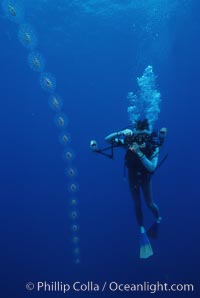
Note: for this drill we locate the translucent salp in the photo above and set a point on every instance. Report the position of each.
(76, 251)
(71, 172)
(36, 61)
(74, 214)
(65, 138)
(75, 240)
(27, 36)
(74, 228)
(73, 187)
(55, 102)
(48, 82)
(61, 121)
(73, 201)
(13, 11)
(68, 155)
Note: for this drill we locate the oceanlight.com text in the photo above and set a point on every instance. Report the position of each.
(113, 286)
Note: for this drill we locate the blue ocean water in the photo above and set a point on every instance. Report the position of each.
(96, 50)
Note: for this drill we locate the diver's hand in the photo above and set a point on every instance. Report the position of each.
(163, 131)
(126, 132)
(135, 148)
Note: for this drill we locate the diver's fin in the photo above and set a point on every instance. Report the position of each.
(145, 246)
(153, 230)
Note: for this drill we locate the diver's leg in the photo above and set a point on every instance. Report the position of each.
(147, 191)
(145, 246)
(135, 191)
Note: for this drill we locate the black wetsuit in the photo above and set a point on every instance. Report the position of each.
(140, 178)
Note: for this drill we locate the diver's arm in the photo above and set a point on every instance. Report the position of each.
(111, 137)
(149, 164)
(116, 135)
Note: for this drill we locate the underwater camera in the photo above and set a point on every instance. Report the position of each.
(144, 138)
(138, 138)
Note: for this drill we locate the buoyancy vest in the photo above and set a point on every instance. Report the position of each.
(132, 161)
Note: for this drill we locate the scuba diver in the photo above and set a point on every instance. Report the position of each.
(141, 159)
(142, 145)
